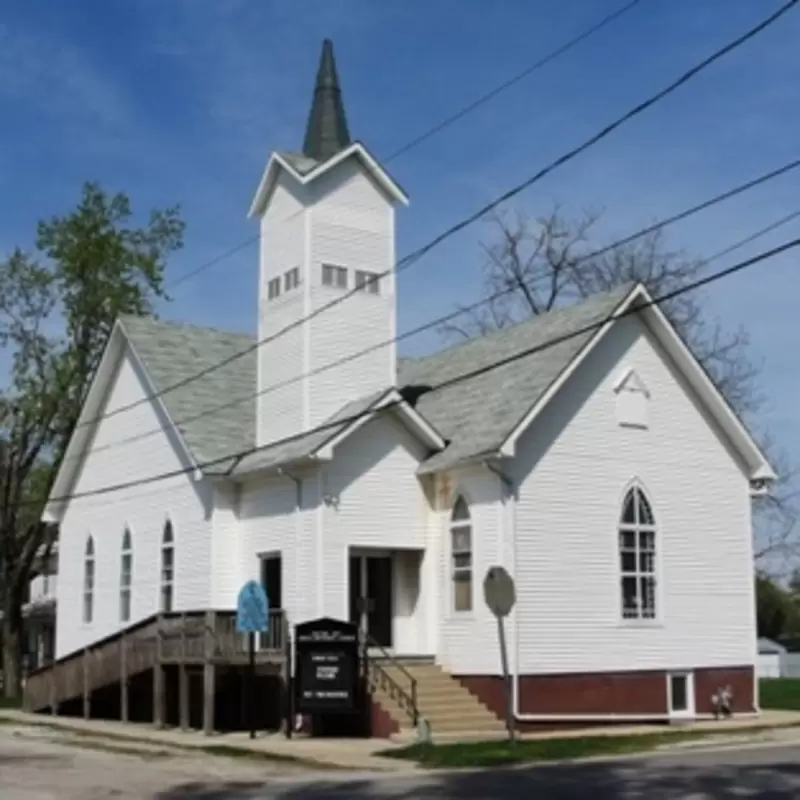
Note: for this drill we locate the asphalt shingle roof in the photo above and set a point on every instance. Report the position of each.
(172, 352)
(475, 414)
(478, 413)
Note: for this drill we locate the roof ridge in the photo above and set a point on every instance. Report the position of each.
(175, 323)
(628, 286)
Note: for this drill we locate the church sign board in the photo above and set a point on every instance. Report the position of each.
(327, 667)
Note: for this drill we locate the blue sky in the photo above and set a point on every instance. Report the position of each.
(182, 101)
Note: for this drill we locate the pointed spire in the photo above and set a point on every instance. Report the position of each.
(326, 132)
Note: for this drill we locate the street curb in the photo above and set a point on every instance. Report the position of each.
(218, 749)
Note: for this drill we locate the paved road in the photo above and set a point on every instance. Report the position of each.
(40, 767)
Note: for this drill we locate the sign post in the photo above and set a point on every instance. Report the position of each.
(500, 596)
(252, 617)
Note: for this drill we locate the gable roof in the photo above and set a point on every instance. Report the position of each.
(172, 352)
(478, 417)
(479, 413)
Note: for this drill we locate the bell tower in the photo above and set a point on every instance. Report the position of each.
(326, 280)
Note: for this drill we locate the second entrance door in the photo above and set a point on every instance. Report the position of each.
(371, 596)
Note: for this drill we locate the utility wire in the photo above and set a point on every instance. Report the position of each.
(238, 456)
(468, 109)
(431, 324)
(416, 255)
(492, 93)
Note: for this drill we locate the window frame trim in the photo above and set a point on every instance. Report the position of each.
(123, 551)
(453, 612)
(90, 593)
(657, 620)
(163, 546)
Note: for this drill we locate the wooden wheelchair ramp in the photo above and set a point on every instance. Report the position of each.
(205, 640)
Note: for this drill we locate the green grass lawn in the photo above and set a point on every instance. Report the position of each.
(780, 693)
(501, 752)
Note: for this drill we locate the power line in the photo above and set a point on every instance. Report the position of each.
(416, 255)
(491, 94)
(238, 456)
(468, 109)
(700, 207)
(208, 264)
(438, 321)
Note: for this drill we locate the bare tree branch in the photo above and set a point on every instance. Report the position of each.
(533, 265)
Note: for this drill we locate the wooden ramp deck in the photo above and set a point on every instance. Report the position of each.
(187, 640)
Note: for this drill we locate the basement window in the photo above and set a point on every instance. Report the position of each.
(680, 694)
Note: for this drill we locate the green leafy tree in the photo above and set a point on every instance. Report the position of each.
(774, 608)
(57, 308)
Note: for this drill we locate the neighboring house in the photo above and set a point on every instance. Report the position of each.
(606, 473)
(770, 657)
(40, 610)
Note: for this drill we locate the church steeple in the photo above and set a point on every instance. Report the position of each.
(326, 132)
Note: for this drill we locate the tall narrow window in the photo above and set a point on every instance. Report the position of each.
(461, 550)
(167, 567)
(125, 574)
(88, 580)
(637, 552)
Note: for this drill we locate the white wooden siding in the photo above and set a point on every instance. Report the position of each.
(226, 547)
(342, 218)
(468, 641)
(378, 503)
(282, 247)
(573, 468)
(352, 226)
(269, 522)
(144, 509)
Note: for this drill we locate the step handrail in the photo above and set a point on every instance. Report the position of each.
(411, 696)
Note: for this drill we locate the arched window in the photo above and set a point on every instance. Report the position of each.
(88, 580)
(637, 552)
(461, 550)
(125, 576)
(167, 567)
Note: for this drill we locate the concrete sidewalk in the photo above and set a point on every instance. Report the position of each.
(362, 754)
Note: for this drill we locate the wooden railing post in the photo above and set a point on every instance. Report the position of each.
(158, 677)
(183, 680)
(87, 692)
(123, 677)
(209, 678)
(53, 690)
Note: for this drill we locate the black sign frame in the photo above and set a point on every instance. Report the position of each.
(327, 667)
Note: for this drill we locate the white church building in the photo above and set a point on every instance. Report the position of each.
(586, 451)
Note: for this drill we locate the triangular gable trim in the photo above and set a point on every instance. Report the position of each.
(276, 161)
(418, 425)
(698, 378)
(80, 443)
(630, 379)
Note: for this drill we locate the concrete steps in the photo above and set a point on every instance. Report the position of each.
(449, 708)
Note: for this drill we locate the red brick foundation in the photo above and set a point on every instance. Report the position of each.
(382, 725)
(640, 693)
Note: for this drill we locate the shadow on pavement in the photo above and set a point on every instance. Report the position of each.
(651, 779)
